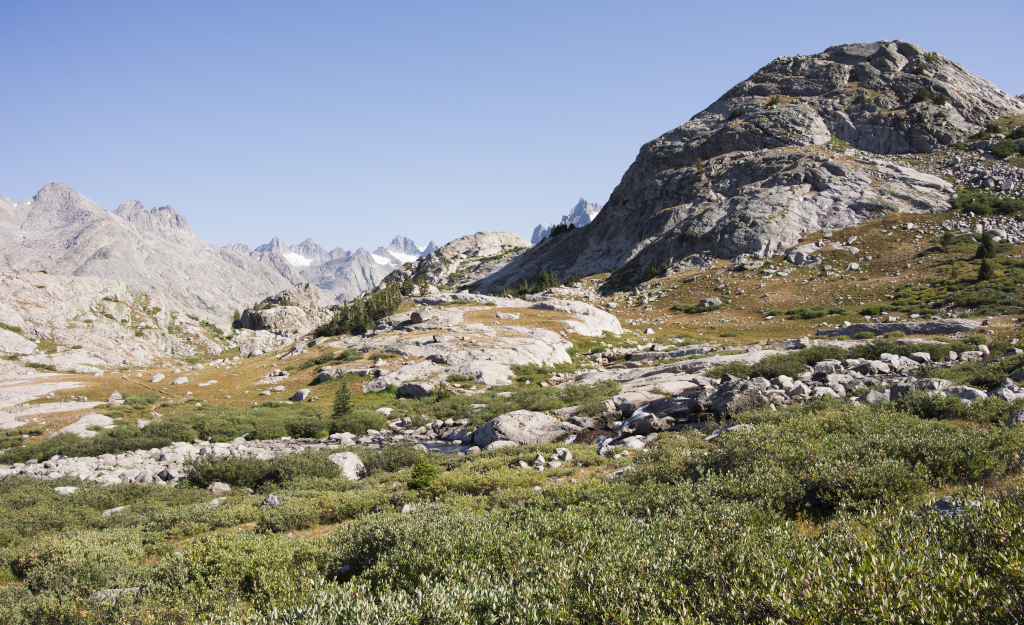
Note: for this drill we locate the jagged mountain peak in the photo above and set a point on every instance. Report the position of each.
(160, 217)
(580, 215)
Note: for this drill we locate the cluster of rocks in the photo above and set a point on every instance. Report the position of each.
(855, 380)
(1007, 229)
(166, 465)
(995, 176)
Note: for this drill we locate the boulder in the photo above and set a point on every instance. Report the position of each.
(301, 394)
(272, 501)
(523, 427)
(967, 392)
(415, 390)
(1016, 419)
(349, 464)
(181, 380)
(737, 394)
(157, 378)
(218, 487)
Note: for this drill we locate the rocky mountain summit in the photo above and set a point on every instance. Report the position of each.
(799, 146)
(60, 231)
(580, 215)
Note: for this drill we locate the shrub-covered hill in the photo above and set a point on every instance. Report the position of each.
(811, 514)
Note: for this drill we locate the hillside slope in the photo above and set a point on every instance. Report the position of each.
(766, 163)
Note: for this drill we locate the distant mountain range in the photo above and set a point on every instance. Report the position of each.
(341, 275)
(60, 231)
(581, 214)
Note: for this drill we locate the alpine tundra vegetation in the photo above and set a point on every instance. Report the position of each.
(774, 379)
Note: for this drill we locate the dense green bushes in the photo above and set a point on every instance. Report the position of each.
(253, 473)
(986, 203)
(645, 555)
(828, 456)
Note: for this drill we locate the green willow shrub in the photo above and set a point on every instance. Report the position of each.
(684, 562)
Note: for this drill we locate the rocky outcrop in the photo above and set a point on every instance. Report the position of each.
(462, 262)
(523, 427)
(938, 326)
(93, 323)
(756, 169)
(292, 313)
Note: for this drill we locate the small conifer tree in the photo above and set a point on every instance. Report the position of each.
(987, 270)
(342, 400)
(987, 249)
(423, 473)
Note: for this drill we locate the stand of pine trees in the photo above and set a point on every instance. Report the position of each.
(363, 314)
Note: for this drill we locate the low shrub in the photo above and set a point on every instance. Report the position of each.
(388, 459)
(1005, 149)
(864, 335)
(357, 422)
(738, 369)
(991, 410)
(253, 473)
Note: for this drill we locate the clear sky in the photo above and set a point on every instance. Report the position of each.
(350, 122)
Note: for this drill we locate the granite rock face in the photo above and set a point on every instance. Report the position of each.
(757, 168)
(153, 251)
(464, 261)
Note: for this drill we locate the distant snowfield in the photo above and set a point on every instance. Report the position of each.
(298, 260)
(380, 260)
(405, 258)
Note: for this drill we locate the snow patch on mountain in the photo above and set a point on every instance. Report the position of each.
(297, 260)
(405, 258)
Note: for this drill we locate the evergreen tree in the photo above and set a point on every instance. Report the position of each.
(987, 270)
(987, 249)
(342, 400)
(423, 473)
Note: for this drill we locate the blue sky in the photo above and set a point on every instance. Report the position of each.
(352, 122)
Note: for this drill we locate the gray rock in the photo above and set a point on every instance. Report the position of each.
(942, 326)
(301, 395)
(181, 380)
(523, 427)
(349, 464)
(951, 507)
(873, 397)
(1016, 419)
(967, 392)
(415, 390)
(157, 378)
(66, 490)
(112, 511)
(272, 501)
(218, 487)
